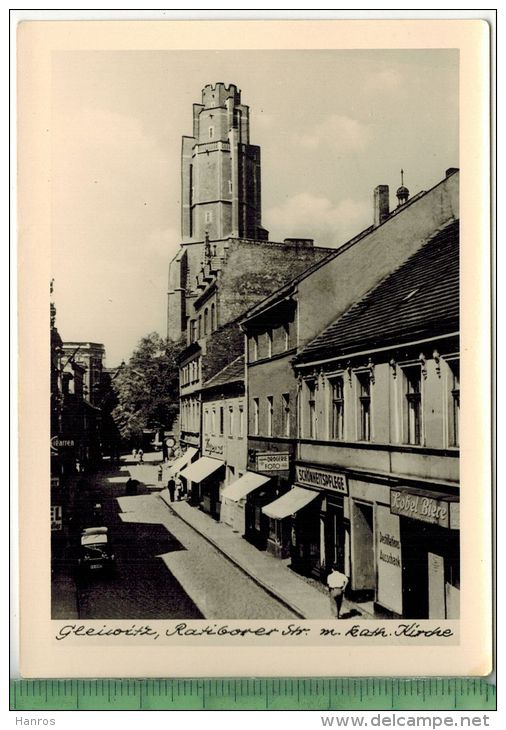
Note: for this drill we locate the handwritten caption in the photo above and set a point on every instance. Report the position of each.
(411, 630)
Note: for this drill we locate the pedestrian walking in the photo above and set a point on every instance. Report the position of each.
(160, 473)
(141, 456)
(134, 454)
(171, 486)
(337, 582)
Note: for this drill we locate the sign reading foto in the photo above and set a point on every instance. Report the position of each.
(272, 461)
(311, 477)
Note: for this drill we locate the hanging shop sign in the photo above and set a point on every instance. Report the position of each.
(56, 517)
(272, 461)
(310, 477)
(423, 506)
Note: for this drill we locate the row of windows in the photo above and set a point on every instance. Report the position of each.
(190, 415)
(348, 412)
(224, 421)
(190, 373)
(283, 424)
(269, 343)
(204, 324)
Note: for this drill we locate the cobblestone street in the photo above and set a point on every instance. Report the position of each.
(165, 569)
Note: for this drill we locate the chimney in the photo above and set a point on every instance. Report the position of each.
(381, 204)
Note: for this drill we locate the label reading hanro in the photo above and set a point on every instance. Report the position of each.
(311, 477)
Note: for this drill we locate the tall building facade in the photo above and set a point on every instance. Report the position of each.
(220, 170)
(226, 263)
(221, 231)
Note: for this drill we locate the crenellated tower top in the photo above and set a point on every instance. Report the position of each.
(215, 95)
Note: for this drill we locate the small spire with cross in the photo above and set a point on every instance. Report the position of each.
(402, 192)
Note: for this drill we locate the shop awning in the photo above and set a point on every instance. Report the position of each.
(244, 485)
(289, 503)
(182, 460)
(202, 468)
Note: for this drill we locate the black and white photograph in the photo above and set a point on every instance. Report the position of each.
(255, 335)
(261, 302)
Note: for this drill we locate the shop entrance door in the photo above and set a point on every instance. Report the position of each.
(415, 568)
(335, 537)
(362, 554)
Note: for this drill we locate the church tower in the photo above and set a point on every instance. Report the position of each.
(220, 171)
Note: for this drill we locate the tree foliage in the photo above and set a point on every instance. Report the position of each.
(147, 387)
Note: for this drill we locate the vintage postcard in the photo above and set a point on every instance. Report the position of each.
(254, 266)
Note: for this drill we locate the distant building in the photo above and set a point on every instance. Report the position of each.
(223, 437)
(91, 356)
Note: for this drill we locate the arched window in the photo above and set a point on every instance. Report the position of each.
(213, 317)
(206, 323)
(200, 326)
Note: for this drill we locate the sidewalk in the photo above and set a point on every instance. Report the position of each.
(272, 574)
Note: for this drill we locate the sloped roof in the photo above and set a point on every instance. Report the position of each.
(419, 299)
(333, 252)
(231, 373)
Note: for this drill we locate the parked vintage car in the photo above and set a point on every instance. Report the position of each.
(95, 551)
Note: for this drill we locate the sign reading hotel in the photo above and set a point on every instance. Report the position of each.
(310, 477)
(272, 461)
(418, 506)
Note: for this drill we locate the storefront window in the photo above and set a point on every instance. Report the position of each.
(413, 404)
(275, 531)
(364, 400)
(337, 411)
(454, 403)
